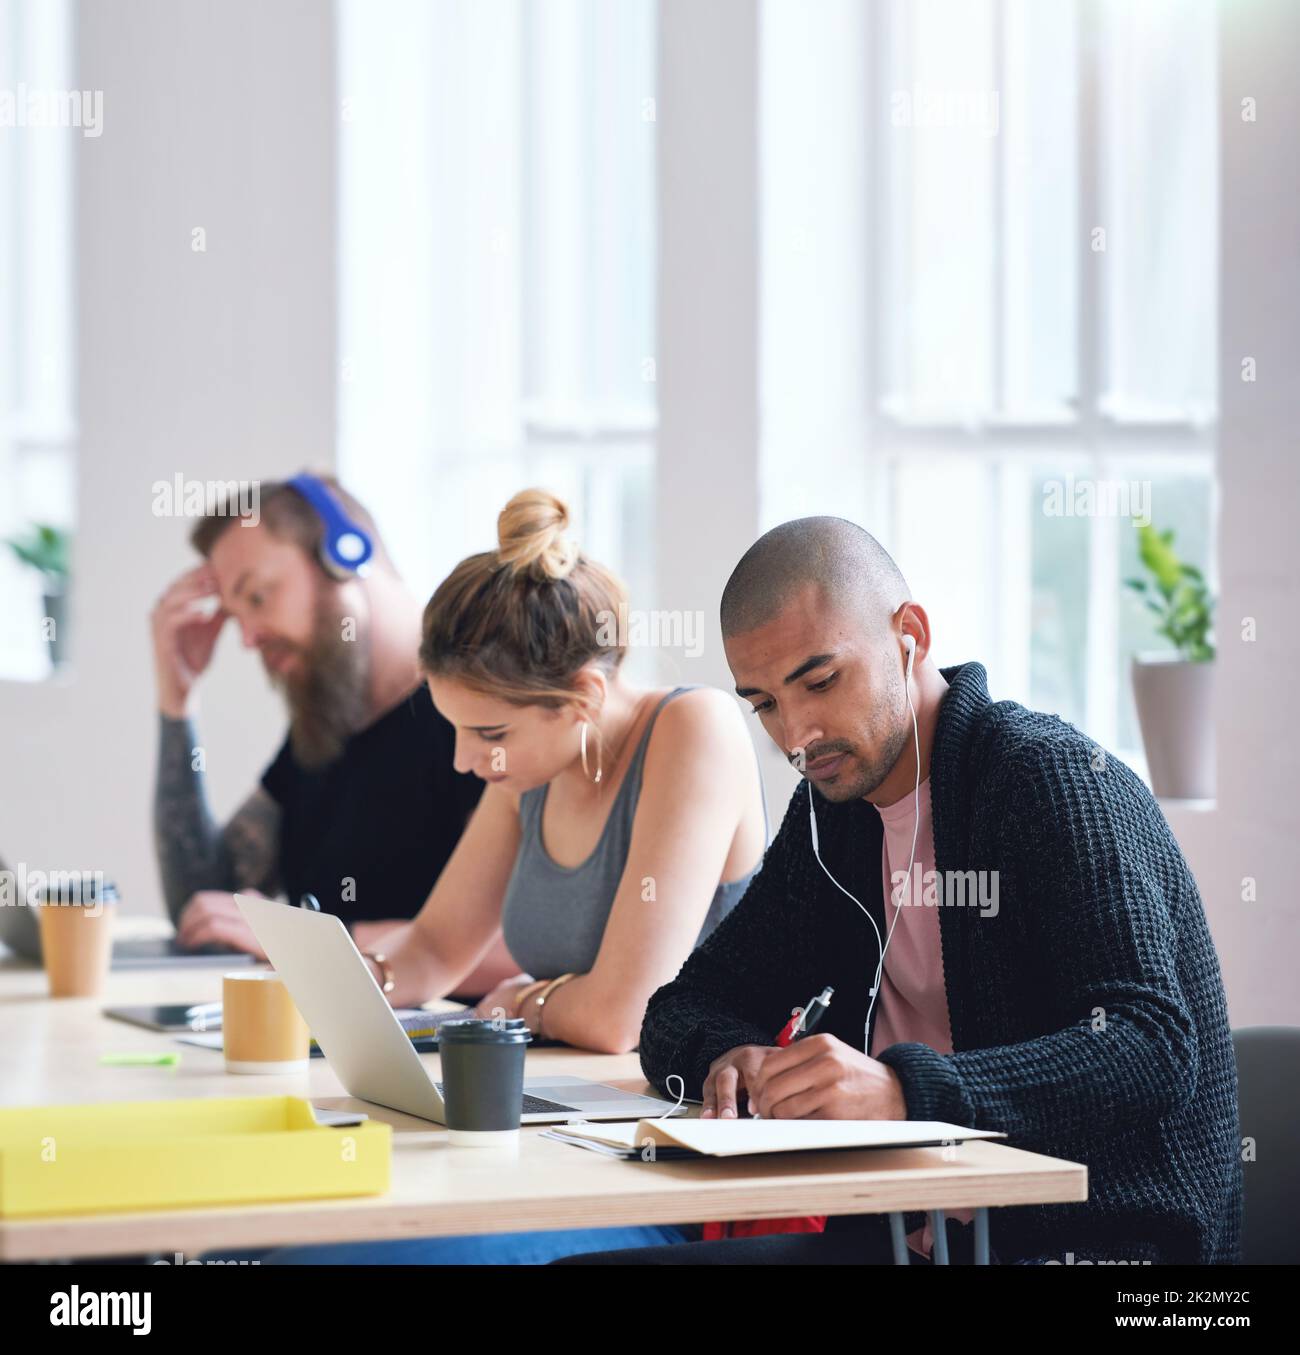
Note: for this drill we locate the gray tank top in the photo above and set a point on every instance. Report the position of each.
(554, 917)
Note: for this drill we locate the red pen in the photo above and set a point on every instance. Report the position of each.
(803, 1021)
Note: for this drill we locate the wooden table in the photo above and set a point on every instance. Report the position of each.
(50, 1054)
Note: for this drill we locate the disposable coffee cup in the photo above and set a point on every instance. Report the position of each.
(483, 1080)
(75, 914)
(261, 1030)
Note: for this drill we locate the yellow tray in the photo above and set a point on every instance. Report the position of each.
(171, 1154)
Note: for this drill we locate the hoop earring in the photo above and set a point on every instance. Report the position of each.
(600, 769)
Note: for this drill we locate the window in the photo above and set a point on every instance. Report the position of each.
(37, 432)
(497, 271)
(1031, 192)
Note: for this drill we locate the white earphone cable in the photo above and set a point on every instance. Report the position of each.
(916, 829)
(681, 1095)
(911, 860)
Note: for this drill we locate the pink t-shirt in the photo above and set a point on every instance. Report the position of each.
(912, 1005)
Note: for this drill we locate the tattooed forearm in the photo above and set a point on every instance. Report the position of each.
(251, 844)
(193, 853)
(186, 838)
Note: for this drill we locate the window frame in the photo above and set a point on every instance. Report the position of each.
(1098, 435)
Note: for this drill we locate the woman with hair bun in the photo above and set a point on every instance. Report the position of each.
(619, 826)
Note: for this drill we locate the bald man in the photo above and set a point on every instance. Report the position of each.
(1047, 970)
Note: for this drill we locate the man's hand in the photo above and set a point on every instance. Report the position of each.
(730, 1076)
(822, 1078)
(184, 637)
(213, 918)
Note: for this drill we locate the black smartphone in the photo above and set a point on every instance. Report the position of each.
(182, 1020)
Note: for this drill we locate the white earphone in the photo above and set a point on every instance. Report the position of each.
(909, 645)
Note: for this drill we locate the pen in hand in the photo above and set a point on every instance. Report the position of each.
(802, 1023)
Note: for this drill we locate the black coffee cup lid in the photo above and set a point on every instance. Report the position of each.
(484, 1030)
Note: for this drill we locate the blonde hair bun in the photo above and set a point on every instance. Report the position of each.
(530, 532)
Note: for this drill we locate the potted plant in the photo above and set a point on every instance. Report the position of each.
(45, 549)
(1174, 691)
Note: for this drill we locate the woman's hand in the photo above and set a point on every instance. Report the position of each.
(503, 1000)
(377, 935)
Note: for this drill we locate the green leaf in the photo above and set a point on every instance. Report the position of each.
(1159, 557)
(1176, 594)
(44, 548)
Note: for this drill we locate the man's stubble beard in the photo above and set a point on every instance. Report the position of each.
(873, 773)
(329, 700)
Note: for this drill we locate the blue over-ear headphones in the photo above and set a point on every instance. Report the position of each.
(346, 548)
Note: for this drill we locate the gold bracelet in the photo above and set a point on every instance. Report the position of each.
(546, 992)
(389, 983)
(526, 992)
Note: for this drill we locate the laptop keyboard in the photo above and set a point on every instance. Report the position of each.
(535, 1105)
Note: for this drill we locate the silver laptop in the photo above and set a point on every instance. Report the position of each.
(361, 1038)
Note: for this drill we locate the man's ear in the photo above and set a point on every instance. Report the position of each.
(911, 619)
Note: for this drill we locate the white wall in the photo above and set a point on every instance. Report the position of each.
(1254, 831)
(216, 365)
(707, 462)
(706, 475)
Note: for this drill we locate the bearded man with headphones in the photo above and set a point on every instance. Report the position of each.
(361, 807)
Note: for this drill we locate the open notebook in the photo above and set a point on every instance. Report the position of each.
(737, 1138)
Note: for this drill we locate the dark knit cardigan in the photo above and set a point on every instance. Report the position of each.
(1088, 1016)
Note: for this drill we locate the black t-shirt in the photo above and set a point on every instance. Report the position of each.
(370, 833)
